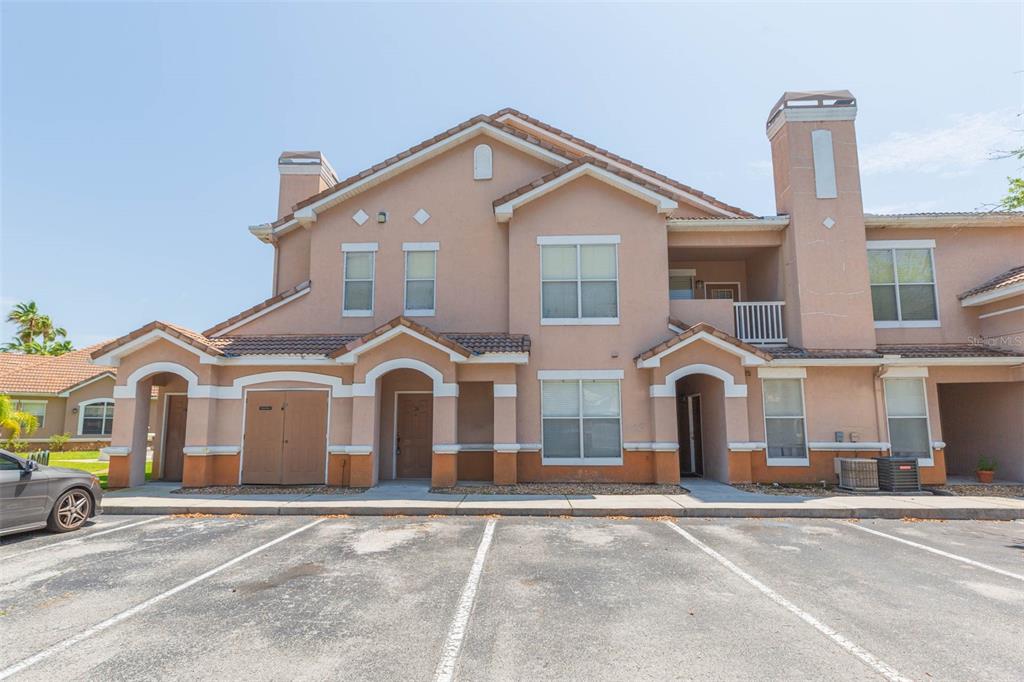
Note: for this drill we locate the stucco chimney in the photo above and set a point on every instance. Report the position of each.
(303, 174)
(817, 183)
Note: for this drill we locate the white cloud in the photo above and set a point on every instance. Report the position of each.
(969, 142)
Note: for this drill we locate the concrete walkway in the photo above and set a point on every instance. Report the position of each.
(706, 499)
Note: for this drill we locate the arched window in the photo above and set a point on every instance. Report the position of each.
(482, 165)
(96, 417)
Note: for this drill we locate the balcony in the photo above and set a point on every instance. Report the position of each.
(757, 322)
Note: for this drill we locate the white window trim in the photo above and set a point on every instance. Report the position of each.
(370, 248)
(683, 272)
(81, 416)
(921, 461)
(417, 247)
(785, 461)
(579, 241)
(20, 406)
(580, 376)
(893, 245)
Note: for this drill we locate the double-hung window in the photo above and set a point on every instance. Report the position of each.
(784, 422)
(36, 408)
(907, 411)
(96, 418)
(420, 278)
(902, 275)
(579, 280)
(357, 296)
(581, 421)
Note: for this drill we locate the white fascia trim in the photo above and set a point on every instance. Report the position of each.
(906, 324)
(263, 232)
(116, 451)
(662, 203)
(578, 321)
(872, 446)
(573, 240)
(505, 390)
(421, 246)
(359, 247)
(273, 360)
(427, 153)
(995, 313)
(902, 244)
(368, 387)
(586, 151)
(583, 374)
(650, 447)
(246, 320)
(876, 362)
(82, 384)
(844, 113)
(956, 221)
(113, 358)
(748, 358)
(781, 373)
(350, 357)
(994, 295)
(211, 450)
(497, 358)
(748, 446)
(765, 224)
(902, 372)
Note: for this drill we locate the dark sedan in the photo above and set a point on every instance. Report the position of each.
(35, 496)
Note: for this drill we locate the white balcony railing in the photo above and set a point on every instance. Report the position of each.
(759, 322)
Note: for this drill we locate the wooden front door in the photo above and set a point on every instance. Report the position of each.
(285, 439)
(174, 437)
(414, 435)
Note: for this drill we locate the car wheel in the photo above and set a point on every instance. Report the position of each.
(71, 510)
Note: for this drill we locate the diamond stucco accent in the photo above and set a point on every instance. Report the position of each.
(421, 216)
(360, 217)
(828, 223)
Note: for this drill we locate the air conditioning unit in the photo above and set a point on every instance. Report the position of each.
(857, 475)
(898, 474)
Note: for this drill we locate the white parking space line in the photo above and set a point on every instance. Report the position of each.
(457, 630)
(138, 608)
(933, 550)
(83, 538)
(876, 664)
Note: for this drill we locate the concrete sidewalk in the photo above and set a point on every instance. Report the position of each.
(706, 499)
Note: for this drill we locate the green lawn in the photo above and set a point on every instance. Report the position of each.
(88, 460)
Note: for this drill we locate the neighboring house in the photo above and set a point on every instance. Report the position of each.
(506, 301)
(67, 394)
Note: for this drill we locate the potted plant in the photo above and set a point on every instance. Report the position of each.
(986, 469)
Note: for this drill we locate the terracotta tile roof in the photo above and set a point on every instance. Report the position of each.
(583, 161)
(190, 337)
(47, 374)
(632, 164)
(282, 344)
(792, 352)
(401, 322)
(257, 308)
(1008, 278)
(696, 329)
(490, 120)
(949, 350)
(491, 343)
(948, 214)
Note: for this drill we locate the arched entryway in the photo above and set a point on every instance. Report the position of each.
(406, 425)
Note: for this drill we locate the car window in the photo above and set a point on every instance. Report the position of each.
(8, 464)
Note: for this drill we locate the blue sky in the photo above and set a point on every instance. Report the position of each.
(139, 140)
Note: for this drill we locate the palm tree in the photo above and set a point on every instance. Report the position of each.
(33, 325)
(15, 421)
(27, 317)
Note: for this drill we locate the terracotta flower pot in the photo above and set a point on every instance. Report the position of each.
(985, 476)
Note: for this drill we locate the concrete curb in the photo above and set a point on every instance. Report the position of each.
(948, 514)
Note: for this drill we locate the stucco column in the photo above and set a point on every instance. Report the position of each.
(737, 430)
(197, 469)
(362, 472)
(127, 449)
(506, 444)
(444, 462)
(666, 439)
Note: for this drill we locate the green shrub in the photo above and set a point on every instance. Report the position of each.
(986, 464)
(58, 441)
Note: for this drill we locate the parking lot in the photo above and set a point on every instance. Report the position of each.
(477, 598)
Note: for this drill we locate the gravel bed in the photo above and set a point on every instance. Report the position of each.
(565, 489)
(268, 490)
(775, 489)
(992, 490)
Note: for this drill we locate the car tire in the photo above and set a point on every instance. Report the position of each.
(72, 509)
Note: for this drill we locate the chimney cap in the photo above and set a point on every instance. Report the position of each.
(307, 163)
(804, 100)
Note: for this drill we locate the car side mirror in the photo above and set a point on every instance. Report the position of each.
(31, 465)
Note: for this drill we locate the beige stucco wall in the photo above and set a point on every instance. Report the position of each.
(983, 419)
